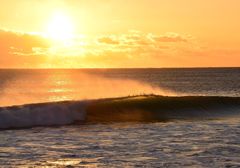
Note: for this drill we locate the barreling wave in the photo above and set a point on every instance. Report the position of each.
(146, 108)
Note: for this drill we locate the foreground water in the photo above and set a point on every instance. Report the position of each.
(176, 143)
(171, 144)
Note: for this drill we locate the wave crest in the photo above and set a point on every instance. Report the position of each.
(135, 108)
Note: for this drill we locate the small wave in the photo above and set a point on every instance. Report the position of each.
(136, 108)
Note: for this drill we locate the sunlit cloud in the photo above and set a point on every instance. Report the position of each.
(130, 49)
(108, 40)
(21, 41)
(171, 37)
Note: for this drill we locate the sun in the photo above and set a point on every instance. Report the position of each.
(60, 27)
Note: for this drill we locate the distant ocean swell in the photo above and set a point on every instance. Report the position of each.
(148, 108)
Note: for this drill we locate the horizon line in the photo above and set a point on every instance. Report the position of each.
(213, 67)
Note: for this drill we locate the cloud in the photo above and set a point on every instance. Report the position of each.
(18, 49)
(21, 41)
(108, 40)
(131, 40)
(171, 37)
(136, 38)
(133, 44)
(131, 49)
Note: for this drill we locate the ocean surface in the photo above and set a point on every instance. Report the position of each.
(120, 118)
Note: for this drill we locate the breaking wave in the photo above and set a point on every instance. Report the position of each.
(147, 108)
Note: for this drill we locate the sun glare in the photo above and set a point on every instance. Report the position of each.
(60, 27)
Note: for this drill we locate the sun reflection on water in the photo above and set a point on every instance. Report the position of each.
(92, 163)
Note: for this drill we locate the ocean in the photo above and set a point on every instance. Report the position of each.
(176, 117)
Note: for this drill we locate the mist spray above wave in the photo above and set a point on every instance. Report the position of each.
(125, 109)
(27, 89)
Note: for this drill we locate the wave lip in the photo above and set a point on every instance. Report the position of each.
(146, 108)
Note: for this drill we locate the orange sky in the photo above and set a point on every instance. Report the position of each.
(119, 33)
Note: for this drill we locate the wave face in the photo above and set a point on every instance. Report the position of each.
(136, 108)
(161, 108)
